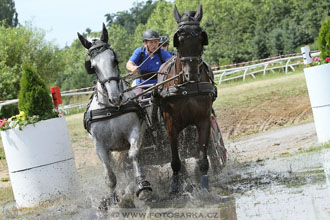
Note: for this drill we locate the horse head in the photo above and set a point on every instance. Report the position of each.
(103, 62)
(189, 40)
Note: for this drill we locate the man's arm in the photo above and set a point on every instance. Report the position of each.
(130, 66)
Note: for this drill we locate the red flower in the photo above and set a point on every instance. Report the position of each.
(327, 59)
(2, 122)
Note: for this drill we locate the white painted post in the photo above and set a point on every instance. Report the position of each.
(306, 52)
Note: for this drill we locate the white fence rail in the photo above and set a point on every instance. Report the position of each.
(64, 108)
(251, 70)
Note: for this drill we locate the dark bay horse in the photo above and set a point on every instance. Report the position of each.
(188, 99)
(113, 120)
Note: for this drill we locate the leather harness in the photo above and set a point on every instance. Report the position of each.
(91, 116)
(188, 89)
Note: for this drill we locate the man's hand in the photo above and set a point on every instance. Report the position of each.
(135, 69)
(132, 67)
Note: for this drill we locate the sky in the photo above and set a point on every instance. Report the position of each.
(62, 19)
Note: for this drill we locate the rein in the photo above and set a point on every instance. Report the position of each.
(158, 84)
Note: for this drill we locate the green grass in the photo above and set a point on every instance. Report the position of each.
(241, 94)
(315, 148)
(2, 152)
(4, 179)
(6, 194)
(78, 134)
(307, 150)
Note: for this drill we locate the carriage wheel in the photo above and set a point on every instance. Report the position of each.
(217, 150)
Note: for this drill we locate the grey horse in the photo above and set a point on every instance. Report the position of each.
(114, 121)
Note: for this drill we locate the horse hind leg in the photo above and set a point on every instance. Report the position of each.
(143, 189)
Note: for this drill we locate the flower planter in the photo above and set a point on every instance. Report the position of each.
(318, 85)
(40, 162)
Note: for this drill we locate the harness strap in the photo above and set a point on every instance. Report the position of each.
(190, 89)
(111, 112)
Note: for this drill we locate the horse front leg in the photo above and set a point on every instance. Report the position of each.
(110, 177)
(203, 138)
(176, 162)
(144, 189)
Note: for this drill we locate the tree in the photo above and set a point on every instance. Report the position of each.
(138, 14)
(324, 39)
(34, 98)
(74, 75)
(24, 45)
(121, 42)
(162, 20)
(8, 13)
(260, 43)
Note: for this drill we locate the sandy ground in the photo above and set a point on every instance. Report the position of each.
(266, 130)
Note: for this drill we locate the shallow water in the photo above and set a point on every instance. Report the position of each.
(285, 188)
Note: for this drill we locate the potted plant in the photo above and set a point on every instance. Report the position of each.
(37, 146)
(318, 84)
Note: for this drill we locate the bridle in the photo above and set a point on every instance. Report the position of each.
(192, 34)
(95, 50)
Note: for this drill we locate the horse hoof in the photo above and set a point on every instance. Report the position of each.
(112, 200)
(126, 202)
(145, 194)
(174, 189)
(204, 182)
(143, 190)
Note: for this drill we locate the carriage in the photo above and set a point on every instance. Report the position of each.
(167, 122)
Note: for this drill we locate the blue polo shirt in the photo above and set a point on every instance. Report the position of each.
(152, 64)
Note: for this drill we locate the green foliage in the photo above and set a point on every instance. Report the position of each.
(129, 20)
(34, 98)
(4, 179)
(2, 151)
(24, 45)
(73, 74)
(324, 39)
(21, 121)
(162, 21)
(120, 41)
(238, 31)
(8, 13)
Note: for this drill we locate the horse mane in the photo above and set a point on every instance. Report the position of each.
(123, 87)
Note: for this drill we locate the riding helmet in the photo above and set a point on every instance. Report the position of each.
(150, 35)
(163, 39)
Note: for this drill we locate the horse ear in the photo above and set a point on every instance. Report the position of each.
(199, 14)
(84, 41)
(104, 36)
(205, 40)
(177, 15)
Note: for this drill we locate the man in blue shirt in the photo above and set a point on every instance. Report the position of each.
(151, 66)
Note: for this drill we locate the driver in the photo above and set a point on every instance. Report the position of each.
(151, 66)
